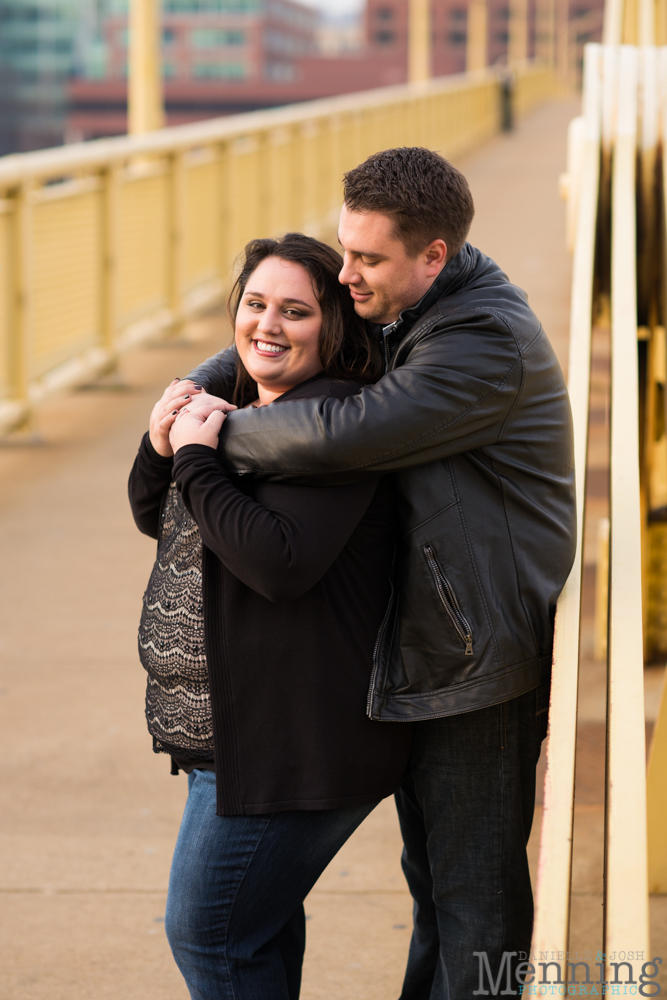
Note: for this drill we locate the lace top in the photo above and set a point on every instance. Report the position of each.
(171, 640)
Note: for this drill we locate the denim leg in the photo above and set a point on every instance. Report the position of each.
(234, 916)
(466, 809)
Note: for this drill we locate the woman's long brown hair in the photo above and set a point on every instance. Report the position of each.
(347, 350)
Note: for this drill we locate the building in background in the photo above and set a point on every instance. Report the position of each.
(63, 63)
(221, 39)
(386, 30)
(226, 56)
(38, 51)
(340, 35)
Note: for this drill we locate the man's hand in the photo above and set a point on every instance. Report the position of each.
(180, 393)
(196, 427)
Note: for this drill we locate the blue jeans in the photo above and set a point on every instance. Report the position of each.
(235, 918)
(466, 809)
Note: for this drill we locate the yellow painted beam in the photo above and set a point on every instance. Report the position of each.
(145, 102)
(476, 52)
(601, 589)
(626, 889)
(563, 46)
(517, 49)
(552, 910)
(646, 22)
(419, 41)
(656, 793)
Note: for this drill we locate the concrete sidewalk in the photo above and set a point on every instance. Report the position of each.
(89, 814)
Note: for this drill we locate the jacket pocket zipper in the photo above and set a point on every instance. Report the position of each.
(448, 598)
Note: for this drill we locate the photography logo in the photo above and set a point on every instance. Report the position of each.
(563, 974)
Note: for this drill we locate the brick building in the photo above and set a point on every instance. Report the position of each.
(227, 56)
(218, 40)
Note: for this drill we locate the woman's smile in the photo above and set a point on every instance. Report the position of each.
(265, 348)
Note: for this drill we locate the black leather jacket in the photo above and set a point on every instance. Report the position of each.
(473, 417)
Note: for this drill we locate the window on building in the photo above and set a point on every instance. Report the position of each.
(457, 38)
(168, 36)
(219, 71)
(279, 71)
(385, 37)
(168, 70)
(458, 14)
(384, 13)
(215, 38)
(502, 37)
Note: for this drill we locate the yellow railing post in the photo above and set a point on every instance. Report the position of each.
(626, 890)
(563, 47)
(601, 589)
(546, 20)
(177, 223)
(476, 57)
(552, 911)
(517, 49)
(21, 303)
(108, 251)
(419, 41)
(656, 794)
(145, 103)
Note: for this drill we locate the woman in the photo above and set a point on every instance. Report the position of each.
(257, 633)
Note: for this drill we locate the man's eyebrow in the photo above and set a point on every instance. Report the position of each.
(364, 253)
(260, 295)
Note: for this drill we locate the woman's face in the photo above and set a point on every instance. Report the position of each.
(278, 326)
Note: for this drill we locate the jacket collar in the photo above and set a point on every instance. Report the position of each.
(453, 275)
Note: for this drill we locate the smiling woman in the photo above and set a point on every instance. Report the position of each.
(294, 320)
(257, 634)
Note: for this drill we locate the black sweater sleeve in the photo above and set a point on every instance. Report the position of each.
(279, 544)
(150, 477)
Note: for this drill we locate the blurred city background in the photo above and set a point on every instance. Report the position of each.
(64, 63)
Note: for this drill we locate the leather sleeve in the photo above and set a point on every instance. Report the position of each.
(279, 544)
(218, 374)
(149, 478)
(452, 394)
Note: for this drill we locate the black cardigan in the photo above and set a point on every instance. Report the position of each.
(296, 580)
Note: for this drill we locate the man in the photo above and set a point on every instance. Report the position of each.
(472, 416)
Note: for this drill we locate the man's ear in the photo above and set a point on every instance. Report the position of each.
(435, 256)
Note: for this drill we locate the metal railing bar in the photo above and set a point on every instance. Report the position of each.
(554, 871)
(626, 884)
(18, 167)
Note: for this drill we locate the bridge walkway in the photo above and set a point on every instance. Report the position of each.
(89, 813)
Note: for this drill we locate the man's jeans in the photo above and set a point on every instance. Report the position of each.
(235, 919)
(466, 809)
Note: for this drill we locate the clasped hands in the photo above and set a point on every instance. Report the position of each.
(186, 414)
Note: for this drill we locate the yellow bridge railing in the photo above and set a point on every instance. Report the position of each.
(617, 201)
(106, 242)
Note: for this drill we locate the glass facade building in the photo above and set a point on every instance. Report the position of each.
(38, 54)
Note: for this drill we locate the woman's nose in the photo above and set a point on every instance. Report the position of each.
(269, 322)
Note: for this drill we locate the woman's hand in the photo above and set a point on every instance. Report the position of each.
(196, 427)
(174, 398)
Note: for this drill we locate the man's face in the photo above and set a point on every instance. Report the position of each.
(383, 279)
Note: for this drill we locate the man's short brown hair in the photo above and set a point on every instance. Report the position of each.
(427, 197)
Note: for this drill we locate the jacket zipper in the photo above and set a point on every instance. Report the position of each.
(448, 598)
(410, 342)
(376, 649)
